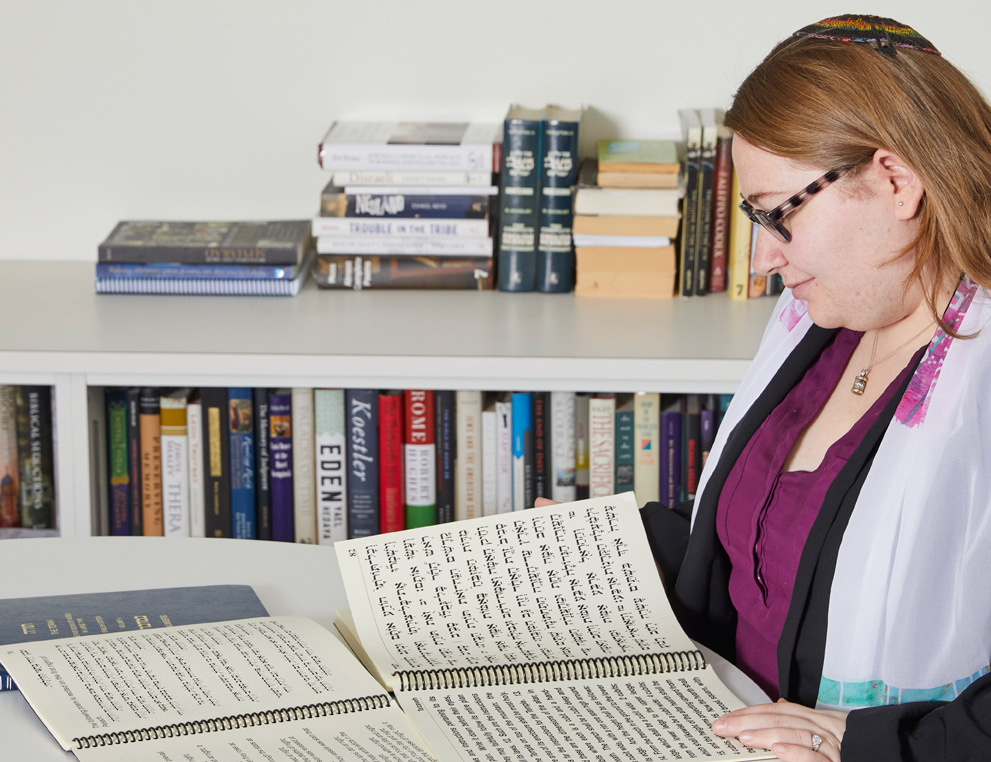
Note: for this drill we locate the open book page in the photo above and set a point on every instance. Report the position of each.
(134, 680)
(569, 581)
(381, 736)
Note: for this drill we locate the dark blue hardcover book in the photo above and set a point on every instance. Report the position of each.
(670, 481)
(519, 199)
(241, 426)
(625, 447)
(50, 617)
(337, 203)
(171, 271)
(263, 470)
(446, 440)
(523, 483)
(281, 464)
(558, 176)
(118, 466)
(362, 417)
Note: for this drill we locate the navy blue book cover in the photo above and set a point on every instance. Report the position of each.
(671, 457)
(425, 206)
(263, 488)
(361, 408)
(558, 176)
(28, 620)
(241, 425)
(445, 436)
(281, 463)
(519, 202)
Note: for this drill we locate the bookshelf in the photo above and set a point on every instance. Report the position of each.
(54, 330)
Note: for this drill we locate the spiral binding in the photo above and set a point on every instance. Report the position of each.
(551, 671)
(231, 722)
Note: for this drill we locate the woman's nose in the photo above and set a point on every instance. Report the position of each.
(768, 255)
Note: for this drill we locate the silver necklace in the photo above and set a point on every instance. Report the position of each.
(860, 382)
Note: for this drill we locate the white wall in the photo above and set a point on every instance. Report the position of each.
(212, 109)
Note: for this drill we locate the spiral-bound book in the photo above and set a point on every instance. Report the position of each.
(270, 688)
(535, 635)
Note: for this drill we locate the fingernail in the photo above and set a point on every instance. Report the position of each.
(719, 725)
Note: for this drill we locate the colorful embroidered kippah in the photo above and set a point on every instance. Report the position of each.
(886, 33)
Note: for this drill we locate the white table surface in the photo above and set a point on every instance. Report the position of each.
(289, 579)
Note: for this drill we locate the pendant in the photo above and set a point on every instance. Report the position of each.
(860, 382)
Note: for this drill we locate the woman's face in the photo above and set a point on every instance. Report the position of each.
(844, 255)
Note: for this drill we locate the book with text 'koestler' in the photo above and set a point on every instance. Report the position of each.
(359, 272)
(281, 464)
(241, 429)
(362, 410)
(411, 146)
(50, 617)
(276, 242)
(519, 212)
(558, 176)
(216, 461)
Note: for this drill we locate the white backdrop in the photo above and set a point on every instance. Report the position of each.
(212, 109)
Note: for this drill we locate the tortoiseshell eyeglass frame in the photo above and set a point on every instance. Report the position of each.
(771, 221)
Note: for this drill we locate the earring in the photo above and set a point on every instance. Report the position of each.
(901, 203)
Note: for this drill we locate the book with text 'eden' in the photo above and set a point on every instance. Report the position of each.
(474, 626)
(50, 617)
(411, 146)
(330, 445)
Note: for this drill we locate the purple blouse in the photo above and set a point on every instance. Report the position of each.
(764, 514)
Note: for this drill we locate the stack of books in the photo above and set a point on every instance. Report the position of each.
(253, 258)
(409, 205)
(627, 215)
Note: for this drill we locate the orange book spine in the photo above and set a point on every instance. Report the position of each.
(150, 427)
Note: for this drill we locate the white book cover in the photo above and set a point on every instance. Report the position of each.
(304, 482)
(504, 455)
(376, 177)
(413, 190)
(621, 241)
(490, 504)
(563, 446)
(629, 202)
(647, 443)
(468, 472)
(413, 227)
(330, 443)
(197, 496)
(383, 245)
(602, 446)
(175, 464)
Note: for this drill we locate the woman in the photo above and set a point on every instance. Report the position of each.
(841, 535)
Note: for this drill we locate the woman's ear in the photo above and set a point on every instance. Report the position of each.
(899, 182)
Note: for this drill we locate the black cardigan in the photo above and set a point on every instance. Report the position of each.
(696, 572)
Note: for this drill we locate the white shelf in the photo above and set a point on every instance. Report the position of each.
(55, 330)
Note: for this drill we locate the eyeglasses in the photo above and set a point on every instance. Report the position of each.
(771, 221)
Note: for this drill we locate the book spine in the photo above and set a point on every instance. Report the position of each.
(175, 465)
(519, 204)
(119, 474)
(707, 435)
(504, 456)
(304, 467)
(242, 468)
(187, 255)
(647, 443)
(490, 503)
(468, 504)
(541, 444)
(602, 444)
(197, 483)
(410, 228)
(263, 465)
(359, 272)
(703, 244)
(392, 480)
(420, 458)
(562, 446)
(98, 459)
(689, 219)
(134, 458)
(383, 246)
(200, 287)
(10, 510)
(624, 453)
(691, 445)
(404, 177)
(405, 206)
(36, 457)
(369, 157)
(671, 457)
(362, 422)
(722, 200)
(169, 271)
(281, 461)
(216, 462)
(738, 245)
(330, 443)
(445, 430)
(581, 446)
(555, 271)
(523, 492)
(151, 463)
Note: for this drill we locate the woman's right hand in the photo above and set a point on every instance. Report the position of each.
(543, 502)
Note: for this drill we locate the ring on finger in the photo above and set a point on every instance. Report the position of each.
(816, 741)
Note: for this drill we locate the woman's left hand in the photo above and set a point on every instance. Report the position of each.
(789, 730)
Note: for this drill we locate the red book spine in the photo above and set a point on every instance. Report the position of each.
(722, 198)
(392, 516)
(420, 451)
